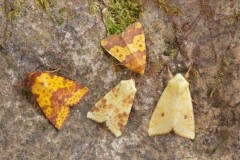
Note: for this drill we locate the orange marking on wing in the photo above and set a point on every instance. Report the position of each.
(129, 48)
(114, 110)
(55, 94)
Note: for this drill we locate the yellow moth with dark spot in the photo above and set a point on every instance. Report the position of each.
(115, 106)
(129, 48)
(174, 110)
(55, 94)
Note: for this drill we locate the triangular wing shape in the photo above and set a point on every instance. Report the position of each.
(114, 108)
(184, 118)
(55, 94)
(162, 117)
(134, 38)
(174, 110)
(129, 48)
(116, 46)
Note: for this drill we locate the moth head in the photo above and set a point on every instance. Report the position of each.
(128, 85)
(178, 80)
(31, 77)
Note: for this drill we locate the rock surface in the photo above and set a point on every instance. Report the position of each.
(34, 40)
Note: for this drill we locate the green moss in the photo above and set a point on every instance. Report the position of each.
(15, 8)
(170, 51)
(60, 19)
(219, 75)
(169, 9)
(44, 5)
(120, 14)
(93, 6)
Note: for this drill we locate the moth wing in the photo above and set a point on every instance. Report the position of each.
(58, 115)
(74, 94)
(184, 117)
(162, 117)
(122, 106)
(115, 106)
(99, 112)
(56, 112)
(54, 94)
(116, 46)
(129, 48)
(134, 38)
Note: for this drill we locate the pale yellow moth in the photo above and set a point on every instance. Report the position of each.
(174, 110)
(115, 106)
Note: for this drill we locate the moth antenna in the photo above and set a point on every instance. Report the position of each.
(34, 104)
(195, 102)
(21, 84)
(118, 64)
(169, 73)
(190, 89)
(187, 74)
(113, 68)
(131, 74)
(56, 70)
(114, 65)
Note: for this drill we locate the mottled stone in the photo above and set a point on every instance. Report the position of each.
(202, 33)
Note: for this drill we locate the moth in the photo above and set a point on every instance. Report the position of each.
(174, 110)
(55, 95)
(129, 48)
(114, 108)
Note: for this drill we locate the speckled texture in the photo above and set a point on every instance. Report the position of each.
(33, 42)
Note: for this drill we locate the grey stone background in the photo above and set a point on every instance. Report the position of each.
(204, 33)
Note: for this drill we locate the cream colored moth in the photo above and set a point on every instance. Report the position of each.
(174, 110)
(115, 106)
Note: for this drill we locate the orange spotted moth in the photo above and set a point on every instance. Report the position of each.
(129, 48)
(114, 108)
(55, 95)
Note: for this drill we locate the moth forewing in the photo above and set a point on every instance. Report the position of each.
(184, 118)
(174, 110)
(55, 94)
(161, 120)
(114, 108)
(129, 48)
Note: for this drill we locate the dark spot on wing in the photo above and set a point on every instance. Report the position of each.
(162, 114)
